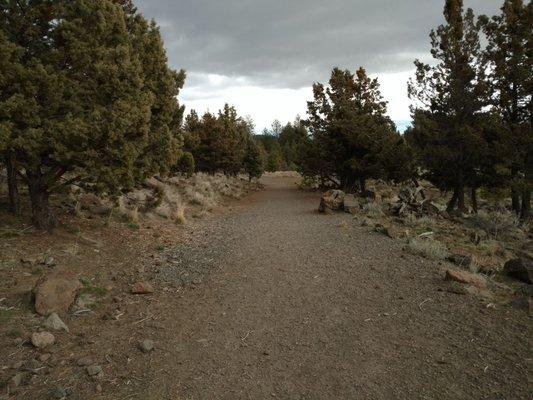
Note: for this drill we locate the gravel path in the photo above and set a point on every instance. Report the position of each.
(284, 303)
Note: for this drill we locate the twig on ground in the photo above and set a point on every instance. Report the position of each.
(421, 304)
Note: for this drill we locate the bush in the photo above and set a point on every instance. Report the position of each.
(373, 210)
(185, 164)
(498, 224)
(427, 248)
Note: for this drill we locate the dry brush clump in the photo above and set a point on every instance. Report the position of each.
(427, 248)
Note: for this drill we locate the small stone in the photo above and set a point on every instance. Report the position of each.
(94, 370)
(84, 362)
(42, 340)
(17, 365)
(146, 346)
(44, 357)
(49, 261)
(60, 392)
(55, 323)
(98, 388)
(16, 381)
(142, 288)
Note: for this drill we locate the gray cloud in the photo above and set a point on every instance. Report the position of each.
(292, 43)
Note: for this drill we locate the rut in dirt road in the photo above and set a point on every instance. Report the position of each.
(290, 304)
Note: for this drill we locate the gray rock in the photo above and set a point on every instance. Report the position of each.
(55, 323)
(84, 362)
(520, 268)
(49, 261)
(94, 370)
(146, 346)
(42, 340)
(60, 392)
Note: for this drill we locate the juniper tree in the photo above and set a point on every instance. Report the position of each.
(446, 131)
(349, 127)
(80, 109)
(509, 62)
(252, 161)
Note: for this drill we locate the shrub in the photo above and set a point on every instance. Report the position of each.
(373, 210)
(427, 248)
(498, 224)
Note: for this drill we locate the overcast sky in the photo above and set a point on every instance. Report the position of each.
(263, 55)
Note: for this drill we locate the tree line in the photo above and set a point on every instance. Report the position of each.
(472, 115)
(87, 98)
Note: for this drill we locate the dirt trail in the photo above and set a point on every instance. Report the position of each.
(289, 304)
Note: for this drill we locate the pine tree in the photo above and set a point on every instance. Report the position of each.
(509, 62)
(448, 113)
(252, 162)
(77, 106)
(349, 128)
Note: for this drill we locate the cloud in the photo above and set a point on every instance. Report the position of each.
(289, 44)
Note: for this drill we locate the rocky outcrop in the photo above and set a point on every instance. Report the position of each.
(55, 292)
(351, 204)
(332, 200)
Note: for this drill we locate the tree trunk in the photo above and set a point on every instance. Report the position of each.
(515, 194)
(362, 185)
(473, 195)
(42, 215)
(525, 211)
(461, 206)
(453, 201)
(12, 184)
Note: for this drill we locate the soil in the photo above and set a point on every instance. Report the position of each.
(268, 300)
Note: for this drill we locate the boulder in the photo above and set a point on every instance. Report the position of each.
(469, 278)
(55, 323)
(142, 288)
(42, 340)
(331, 200)
(351, 204)
(520, 268)
(55, 292)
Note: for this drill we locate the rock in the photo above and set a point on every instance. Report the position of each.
(466, 277)
(42, 340)
(84, 302)
(49, 261)
(60, 392)
(17, 380)
(351, 204)
(332, 200)
(55, 292)
(393, 231)
(84, 362)
(462, 260)
(406, 195)
(95, 370)
(55, 323)
(44, 357)
(142, 288)
(520, 268)
(146, 346)
(93, 204)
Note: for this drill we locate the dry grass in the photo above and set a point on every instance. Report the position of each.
(497, 223)
(428, 248)
(373, 210)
